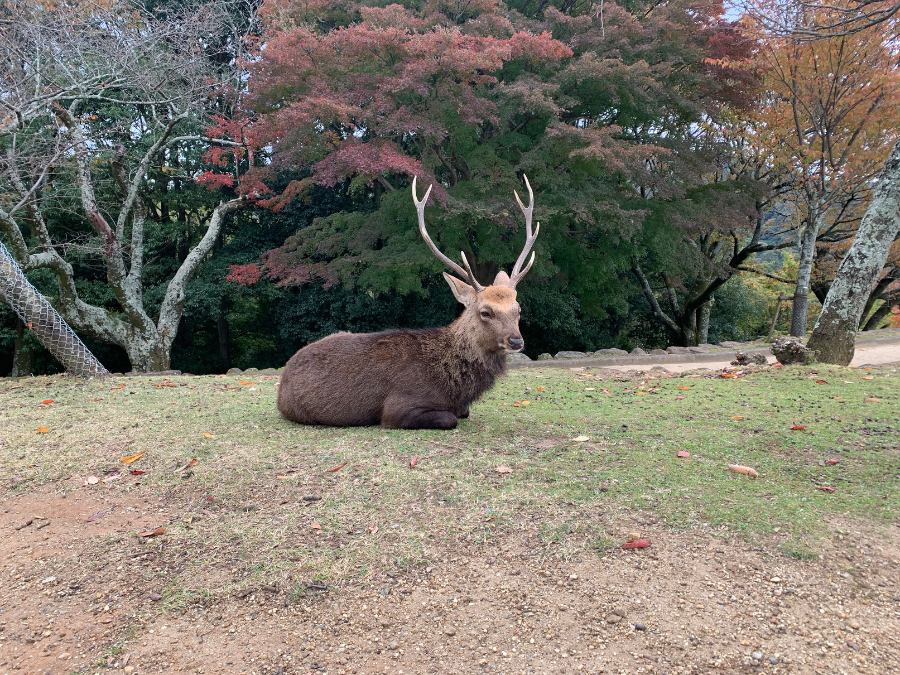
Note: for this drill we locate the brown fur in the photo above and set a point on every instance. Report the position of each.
(404, 379)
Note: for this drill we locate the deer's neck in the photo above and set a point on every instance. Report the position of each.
(469, 369)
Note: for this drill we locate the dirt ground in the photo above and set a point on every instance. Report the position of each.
(79, 596)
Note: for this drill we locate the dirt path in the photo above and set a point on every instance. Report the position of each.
(873, 355)
(77, 596)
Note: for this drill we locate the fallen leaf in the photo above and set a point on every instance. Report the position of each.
(526, 402)
(132, 458)
(96, 515)
(736, 417)
(413, 461)
(679, 398)
(540, 389)
(821, 382)
(337, 468)
(684, 453)
(641, 393)
(91, 480)
(580, 439)
(111, 478)
(96, 399)
(869, 377)
(825, 488)
(152, 533)
(193, 462)
(607, 392)
(727, 375)
(48, 401)
(315, 525)
(138, 473)
(737, 468)
(516, 404)
(838, 398)
(246, 383)
(503, 469)
(683, 387)
(42, 430)
(208, 435)
(373, 529)
(118, 386)
(831, 461)
(778, 365)
(797, 427)
(640, 543)
(873, 400)
(590, 389)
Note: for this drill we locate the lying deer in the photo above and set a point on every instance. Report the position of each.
(413, 379)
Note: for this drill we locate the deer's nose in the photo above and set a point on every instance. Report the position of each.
(516, 343)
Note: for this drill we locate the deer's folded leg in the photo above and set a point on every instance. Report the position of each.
(398, 416)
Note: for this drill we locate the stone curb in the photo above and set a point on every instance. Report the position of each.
(661, 360)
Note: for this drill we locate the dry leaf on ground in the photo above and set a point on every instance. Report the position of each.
(133, 458)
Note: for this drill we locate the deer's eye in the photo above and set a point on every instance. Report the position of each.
(485, 315)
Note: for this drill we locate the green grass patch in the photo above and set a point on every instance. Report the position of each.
(241, 511)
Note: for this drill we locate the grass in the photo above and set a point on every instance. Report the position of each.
(242, 504)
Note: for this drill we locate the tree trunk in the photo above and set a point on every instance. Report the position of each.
(225, 341)
(23, 356)
(807, 245)
(878, 315)
(703, 321)
(834, 335)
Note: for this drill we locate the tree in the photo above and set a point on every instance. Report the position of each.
(593, 106)
(834, 335)
(828, 117)
(103, 106)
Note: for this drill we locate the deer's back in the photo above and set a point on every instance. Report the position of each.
(345, 378)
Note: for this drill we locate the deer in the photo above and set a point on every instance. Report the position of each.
(413, 379)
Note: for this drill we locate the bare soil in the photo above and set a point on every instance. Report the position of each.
(80, 596)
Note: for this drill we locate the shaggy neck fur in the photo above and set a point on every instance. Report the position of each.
(465, 368)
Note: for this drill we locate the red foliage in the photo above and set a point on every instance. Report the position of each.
(245, 275)
(214, 180)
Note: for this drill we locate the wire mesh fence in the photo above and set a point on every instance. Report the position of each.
(40, 317)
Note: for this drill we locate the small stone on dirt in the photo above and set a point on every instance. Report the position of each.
(640, 626)
(757, 656)
(450, 631)
(613, 618)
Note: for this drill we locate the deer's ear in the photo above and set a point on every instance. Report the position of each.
(463, 292)
(502, 279)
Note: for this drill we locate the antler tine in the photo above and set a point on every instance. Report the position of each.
(420, 211)
(530, 237)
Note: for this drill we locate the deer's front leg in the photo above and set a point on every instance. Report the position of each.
(402, 413)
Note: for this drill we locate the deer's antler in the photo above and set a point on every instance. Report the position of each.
(464, 273)
(517, 271)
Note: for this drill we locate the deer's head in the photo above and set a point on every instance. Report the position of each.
(492, 313)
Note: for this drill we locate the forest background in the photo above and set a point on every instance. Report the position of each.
(201, 185)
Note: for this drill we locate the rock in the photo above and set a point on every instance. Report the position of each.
(545, 357)
(677, 350)
(640, 626)
(659, 352)
(518, 357)
(742, 359)
(252, 370)
(394, 646)
(854, 625)
(613, 619)
(450, 630)
(610, 352)
(790, 350)
(707, 345)
(618, 611)
(698, 350)
(633, 536)
(730, 344)
(233, 371)
(64, 656)
(660, 368)
(637, 351)
(757, 656)
(570, 355)
(773, 660)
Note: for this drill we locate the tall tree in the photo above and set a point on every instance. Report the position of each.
(593, 106)
(104, 105)
(828, 119)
